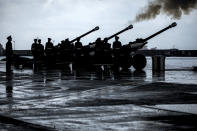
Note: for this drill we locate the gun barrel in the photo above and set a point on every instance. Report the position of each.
(79, 37)
(128, 28)
(157, 33)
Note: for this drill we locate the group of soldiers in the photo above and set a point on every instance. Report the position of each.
(66, 48)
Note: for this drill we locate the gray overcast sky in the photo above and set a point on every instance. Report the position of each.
(59, 19)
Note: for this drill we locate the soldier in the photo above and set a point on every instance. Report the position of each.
(99, 52)
(106, 45)
(106, 52)
(64, 44)
(40, 49)
(117, 44)
(98, 43)
(9, 54)
(57, 49)
(33, 48)
(78, 51)
(49, 48)
(117, 48)
(69, 45)
(78, 44)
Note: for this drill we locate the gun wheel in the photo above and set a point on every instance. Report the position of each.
(126, 62)
(139, 61)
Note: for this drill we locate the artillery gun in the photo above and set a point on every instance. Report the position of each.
(67, 53)
(100, 53)
(139, 61)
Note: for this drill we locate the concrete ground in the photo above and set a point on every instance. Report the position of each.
(91, 100)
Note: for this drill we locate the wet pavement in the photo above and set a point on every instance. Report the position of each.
(99, 100)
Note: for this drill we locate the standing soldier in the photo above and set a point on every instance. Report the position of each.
(34, 48)
(106, 45)
(117, 47)
(78, 44)
(40, 50)
(107, 58)
(117, 44)
(49, 50)
(67, 44)
(78, 51)
(67, 50)
(9, 55)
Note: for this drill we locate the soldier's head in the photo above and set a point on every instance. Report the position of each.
(98, 39)
(105, 40)
(62, 41)
(67, 40)
(116, 38)
(39, 41)
(49, 39)
(9, 38)
(35, 40)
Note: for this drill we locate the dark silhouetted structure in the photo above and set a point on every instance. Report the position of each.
(138, 61)
(103, 52)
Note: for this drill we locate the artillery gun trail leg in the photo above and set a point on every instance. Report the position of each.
(139, 61)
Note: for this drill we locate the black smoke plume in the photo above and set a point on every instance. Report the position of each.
(172, 8)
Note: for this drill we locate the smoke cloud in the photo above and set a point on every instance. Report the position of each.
(173, 8)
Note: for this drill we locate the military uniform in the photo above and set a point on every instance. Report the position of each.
(9, 55)
(117, 44)
(34, 48)
(49, 48)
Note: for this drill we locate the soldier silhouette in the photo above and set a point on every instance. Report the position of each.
(117, 47)
(78, 44)
(98, 43)
(61, 52)
(40, 49)
(106, 45)
(49, 48)
(34, 48)
(67, 43)
(57, 49)
(9, 55)
(117, 44)
(106, 52)
(78, 51)
(99, 50)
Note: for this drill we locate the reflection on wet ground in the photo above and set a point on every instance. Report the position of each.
(98, 100)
